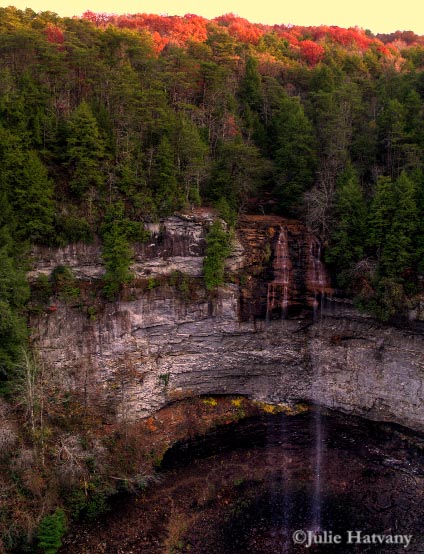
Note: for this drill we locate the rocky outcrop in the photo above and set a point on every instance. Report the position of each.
(157, 345)
(178, 243)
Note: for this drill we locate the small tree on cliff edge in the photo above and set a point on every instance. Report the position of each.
(217, 249)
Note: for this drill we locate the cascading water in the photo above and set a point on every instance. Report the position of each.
(318, 284)
(317, 278)
(278, 300)
(279, 295)
(278, 289)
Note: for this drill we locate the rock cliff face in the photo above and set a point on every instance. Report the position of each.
(158, 344)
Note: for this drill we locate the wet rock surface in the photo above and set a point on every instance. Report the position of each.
(246, 487)
(283, 267)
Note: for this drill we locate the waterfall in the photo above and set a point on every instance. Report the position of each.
(318, 282)
(318, 430)
(282, 291)
(278, 297)
(278, 289)
(319, 277)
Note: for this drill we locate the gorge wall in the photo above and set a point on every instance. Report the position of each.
(274, 332)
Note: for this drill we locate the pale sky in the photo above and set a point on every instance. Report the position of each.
(377, 15)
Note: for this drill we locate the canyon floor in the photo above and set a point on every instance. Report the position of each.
(245, 487)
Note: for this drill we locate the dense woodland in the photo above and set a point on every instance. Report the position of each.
(107, 122)
(110, 121)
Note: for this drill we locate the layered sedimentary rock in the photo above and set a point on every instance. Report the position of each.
(274, 333)
(176, 243)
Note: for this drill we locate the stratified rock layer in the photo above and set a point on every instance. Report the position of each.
(158, 345)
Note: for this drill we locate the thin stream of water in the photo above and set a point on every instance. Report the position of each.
(279, 288)
(278, 299)
(318, 283)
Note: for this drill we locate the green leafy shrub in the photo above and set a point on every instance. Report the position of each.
(152, 283)
(225, 211)
(183, 283)
(97, 505)
(385, 300)
(65, 283)
(92, 313)
(163, 378)
(90, 503)
(72, 228)
(43, 288)
(41, 291)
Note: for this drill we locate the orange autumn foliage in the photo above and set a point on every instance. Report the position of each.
(308, 42)
(311, 51)
(54, 34)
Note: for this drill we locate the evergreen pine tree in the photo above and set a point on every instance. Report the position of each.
(217, 249)
(397, 252)
(251, 100)
(348, 238)
(168, 195)
(51, 531)
(85, 150)
(33, 199)
(382, 209)
(294, 156)
(250, 87)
